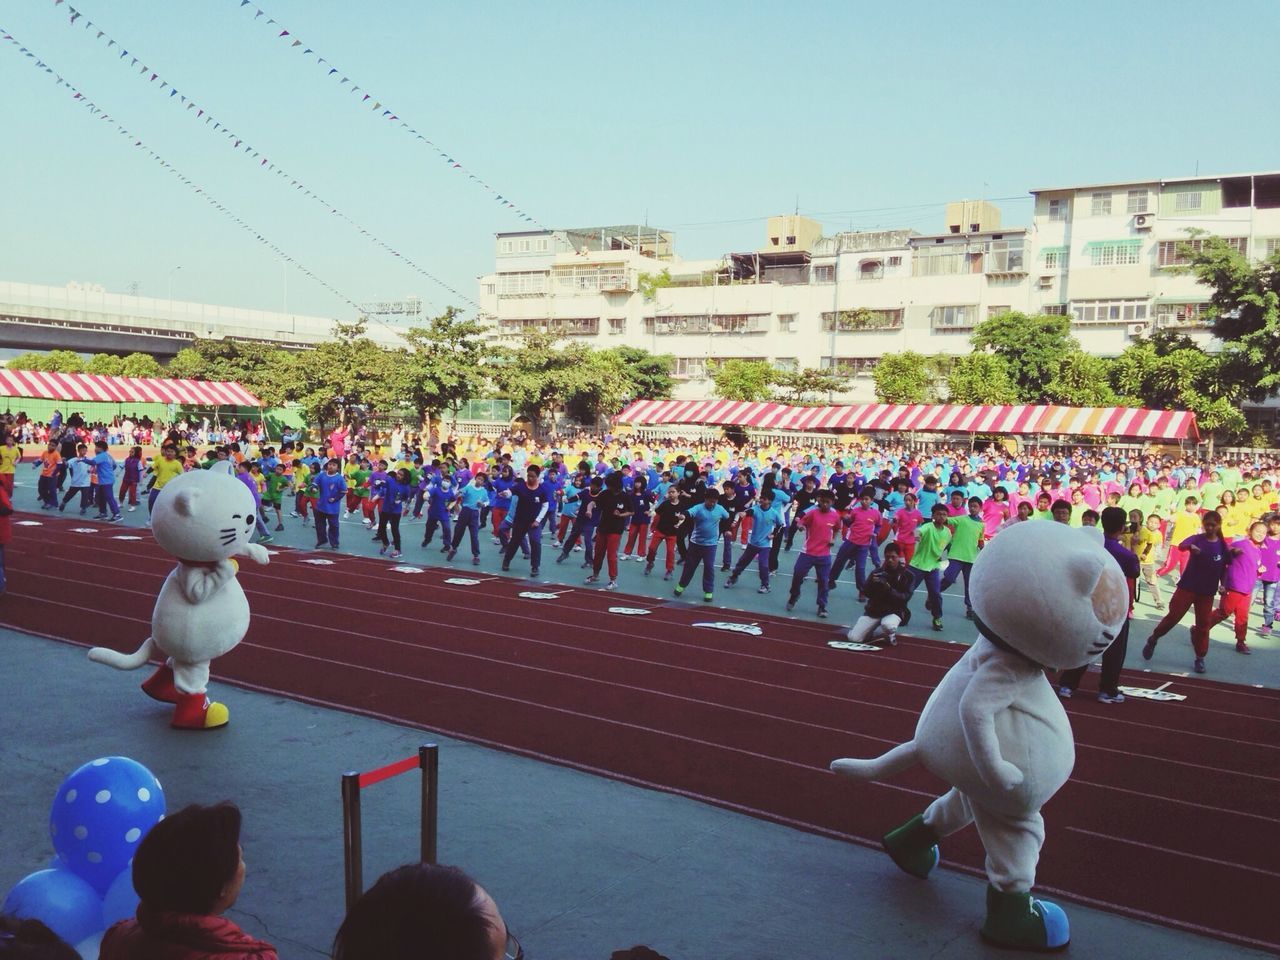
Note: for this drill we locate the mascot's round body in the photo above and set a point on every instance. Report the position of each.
(1044, 595)
(204, 518)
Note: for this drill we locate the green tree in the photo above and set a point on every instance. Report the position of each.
(1081, 381)
(650, 283)
(1245, 313)
(55, 361)
(105, 365)
(346, 378)
(742, 379)
(445, 364)
(188, 364)
(535, 375)
(601, 385)
(979, 378)
(649, 373)
(28, 361)
(140, 365)
(904, 377)
(809, 385)
(1033, 347)
(1169, 372)
(267, 371)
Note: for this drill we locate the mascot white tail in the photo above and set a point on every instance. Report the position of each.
(1044, 595)
(204, 518)
(124, 661)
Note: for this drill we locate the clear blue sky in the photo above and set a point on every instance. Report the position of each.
(702, 117)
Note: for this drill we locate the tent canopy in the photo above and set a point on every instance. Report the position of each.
(86, 387)
(925, 418)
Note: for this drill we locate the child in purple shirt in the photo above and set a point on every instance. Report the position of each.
(1241, 576)
(1270, 573)
(1208, 555)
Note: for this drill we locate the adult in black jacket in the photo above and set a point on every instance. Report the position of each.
(888, 589)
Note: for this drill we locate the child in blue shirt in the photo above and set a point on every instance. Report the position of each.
(78, 478)
(331, 488)
(704, 538)
(440, 495)
(766, 521)
(104, 466)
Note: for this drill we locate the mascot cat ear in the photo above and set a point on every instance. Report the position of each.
(185, 502)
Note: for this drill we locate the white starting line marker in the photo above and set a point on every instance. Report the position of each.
(318, 562)
(467, 581)
(403, 569)
(29, 523)
(538, 595)
(125, 536)
(1147, 693)
(850, 645)
(748, 628)
(631, 611)
(84, 529)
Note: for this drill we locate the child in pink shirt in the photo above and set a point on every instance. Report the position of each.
(905, 522)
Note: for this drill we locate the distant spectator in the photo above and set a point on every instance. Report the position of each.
(31, 940)
(188, 870)
(425, 912)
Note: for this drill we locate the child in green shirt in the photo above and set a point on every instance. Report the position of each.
(931, 542)
(966, 539)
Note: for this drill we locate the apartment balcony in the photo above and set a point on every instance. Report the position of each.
(707, 324)
(561, 326)
(862, 321)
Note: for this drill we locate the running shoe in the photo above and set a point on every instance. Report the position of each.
(667, 576)
(611, 585)
(395, 554)
(648, 569)
(791, 605)
(451, 554)
(1198, 666)
(294, 513)
(533, 572)
(937, 623)
(822, 613)
(382, 550)
(475, 561)
(763, 590)
(679, 589)
(731, 581)
(1243, 647)
(560, 559)
(132, 508)
(1264, 631)
(708, 597)
(590, 579)
(117, 518)
(505, 568)
(1110, 697)
(1065, 692)
(279, 526)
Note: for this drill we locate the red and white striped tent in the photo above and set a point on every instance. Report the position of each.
(87, 387)
(923, 418)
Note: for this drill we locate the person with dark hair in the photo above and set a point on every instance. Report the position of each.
(188, 871)
(425, 912)
(31, 939)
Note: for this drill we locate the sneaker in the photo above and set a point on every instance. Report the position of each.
(496, 540)
(450, 555)
(724, 568)
(679, 589)
(294, 513)
(624, 558)
(648, 569)
(346, 515)
(1111, 698)
(862, 598)
(731, 581)
(611, 585)
(475, 561)
(708, 597)
(891, 638)
(937, 623)
(368, 524)
(822, 613)
(505, 568)
(533, 572)
(591, 579)
(1243, 647)
(560, 559)
(279, 526)
(1264, 631)
(763, 590)
(1148, 649)
(1065, 692)
(1198, 666)
(586, 565)
(395, 554)
(382, 550)
(268, 538)
(668, 575)
(132, 508)
(831, 584)
(578, 548)
(424, 546)
(117, 518)
(791, 605)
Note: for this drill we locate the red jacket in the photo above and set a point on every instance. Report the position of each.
(181, 936)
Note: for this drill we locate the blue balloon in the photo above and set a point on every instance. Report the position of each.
(67, 905)
(121, 901)
(98, 816)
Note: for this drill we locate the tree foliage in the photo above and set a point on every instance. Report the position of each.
(1032, 347)
(904, 377)
(55, 361)
(807, 385)
(105, 365)
(980, 378)
(1081, 381)
(444, 364)
(649, 373)
(1169, 371)
(743, 379)
(140, 365)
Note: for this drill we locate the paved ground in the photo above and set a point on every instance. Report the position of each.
(580, 865)
(1173, 655)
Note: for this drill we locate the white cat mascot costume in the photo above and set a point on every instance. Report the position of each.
(203, 518)
(1044, 595)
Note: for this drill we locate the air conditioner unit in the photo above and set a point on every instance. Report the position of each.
(1046, 280)
(1143, 221)
(1137, 329)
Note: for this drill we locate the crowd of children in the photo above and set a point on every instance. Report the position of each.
(1213, 523)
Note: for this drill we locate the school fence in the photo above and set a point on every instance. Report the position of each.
(427, 760)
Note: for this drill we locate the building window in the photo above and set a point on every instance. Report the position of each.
(1004, 256)
(702, 323)
(849, 366)
(690, 368)
(1056, 259)
(524, 246)
(543, 244)
(1114, 254)
(524, 284)
(895, 261)
(853, 321)
(1186, 202)
(617, 325)
(786, 364)
(1058, 209)
(1109, 311)
(1273, 246)
(774, 240)
(996, 311)
(504, 246)
(791, 241)
(593, 278)
(491, 289)
(824, 273)
(1054, 309)
(941, 261)
(871, 270)
(1101, 204)
(960, 317)
(786, 323)
(564, 326)
(1137, 202)
(1182, 314)
(1174, 253)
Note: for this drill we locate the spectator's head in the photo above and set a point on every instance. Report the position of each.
(425, 912)
(191, 862)
(100, 445)
(892, 555)
(1089, 518)
(31, 940)
(1024, 510)
(1061, 511)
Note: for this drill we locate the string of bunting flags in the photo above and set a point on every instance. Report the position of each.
(238, 143)
(379, 108)
(137, 142)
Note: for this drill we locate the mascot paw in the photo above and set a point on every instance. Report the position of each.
(854, 769)
(1021, 922)
(1006, 776)
(159, 686)
(195, 711)
(256, 552)
(913, 847)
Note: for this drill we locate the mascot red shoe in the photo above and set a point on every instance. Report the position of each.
(1044, 595)
(204, 518)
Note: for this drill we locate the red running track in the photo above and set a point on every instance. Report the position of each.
(1169, 815)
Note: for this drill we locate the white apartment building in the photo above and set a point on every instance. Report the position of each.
(1099, 253)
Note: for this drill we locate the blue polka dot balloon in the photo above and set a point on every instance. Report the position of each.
(100, 814)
